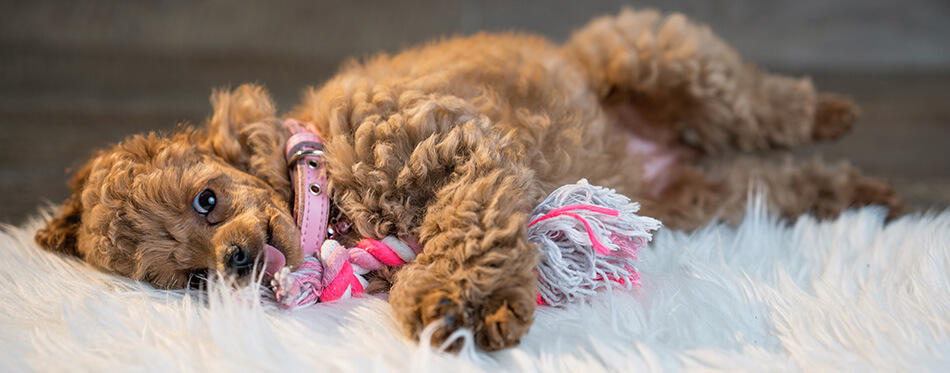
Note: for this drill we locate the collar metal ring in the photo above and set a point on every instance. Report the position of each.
(303, 153)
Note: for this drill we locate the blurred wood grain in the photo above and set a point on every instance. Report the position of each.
(77, 76)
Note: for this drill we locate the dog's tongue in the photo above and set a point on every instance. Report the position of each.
(273, 260)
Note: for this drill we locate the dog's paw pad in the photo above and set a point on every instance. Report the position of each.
(834, 116)
(447, 314)
(504, 327)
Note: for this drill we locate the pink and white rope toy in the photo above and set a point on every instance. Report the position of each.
(589, 237)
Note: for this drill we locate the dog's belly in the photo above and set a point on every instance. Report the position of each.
(658, 147)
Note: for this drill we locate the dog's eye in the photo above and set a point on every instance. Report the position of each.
(198, 279)
(204, 202)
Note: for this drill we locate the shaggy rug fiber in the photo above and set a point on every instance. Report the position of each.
(851, 294)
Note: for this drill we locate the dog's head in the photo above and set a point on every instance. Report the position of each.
(168, 209)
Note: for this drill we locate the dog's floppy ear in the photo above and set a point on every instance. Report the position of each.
(234, 113)
(245, 132)
(60, 233)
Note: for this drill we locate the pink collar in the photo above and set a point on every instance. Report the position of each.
(308, 173)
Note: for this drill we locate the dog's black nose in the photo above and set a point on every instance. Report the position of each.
(240, 262)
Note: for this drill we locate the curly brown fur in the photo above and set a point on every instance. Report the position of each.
(132, 208)
(454, 142)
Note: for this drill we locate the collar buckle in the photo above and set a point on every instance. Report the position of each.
(292, 160)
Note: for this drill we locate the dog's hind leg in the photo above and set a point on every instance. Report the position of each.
(681, 77)
(720, 191)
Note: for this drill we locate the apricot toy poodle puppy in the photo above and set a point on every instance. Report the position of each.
(453, 143)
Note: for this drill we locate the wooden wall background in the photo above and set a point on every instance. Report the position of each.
(78, 75)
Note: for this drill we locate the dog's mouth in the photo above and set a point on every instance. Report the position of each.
(274, 259)
(280, 247)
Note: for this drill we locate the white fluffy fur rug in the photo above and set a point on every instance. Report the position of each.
(851, 294)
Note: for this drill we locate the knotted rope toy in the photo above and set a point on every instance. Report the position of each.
(588, 236)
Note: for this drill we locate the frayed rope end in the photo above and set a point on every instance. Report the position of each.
(589, 237)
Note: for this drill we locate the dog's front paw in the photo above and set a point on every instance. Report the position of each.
(834, 116)
(445, 313)
(497, 318)
(507, 317)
